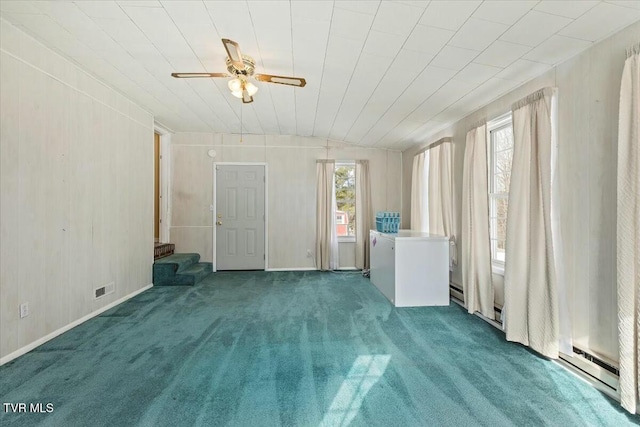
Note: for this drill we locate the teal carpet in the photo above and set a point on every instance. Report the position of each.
(292, 349)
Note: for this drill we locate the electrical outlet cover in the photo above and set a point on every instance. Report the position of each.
(24, 310)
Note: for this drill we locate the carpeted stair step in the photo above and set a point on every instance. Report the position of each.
(181, 261)
(180, 269)
(196, 272)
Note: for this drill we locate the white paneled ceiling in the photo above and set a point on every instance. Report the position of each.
(379, 73)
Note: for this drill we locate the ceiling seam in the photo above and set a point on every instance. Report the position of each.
(452, 77)
(293, 68)
(161, 54)
(255, 36)
(385, 73)
(429, 63)
(111, 85)
(324, 61)
(355, 67)
(513, 62)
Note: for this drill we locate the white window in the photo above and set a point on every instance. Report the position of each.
(345, 180)
(500, 160)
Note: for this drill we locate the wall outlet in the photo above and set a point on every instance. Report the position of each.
(24, 310)
(309, 254)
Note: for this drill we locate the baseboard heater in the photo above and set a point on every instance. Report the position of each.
(458, 294)
(595, 359)
(603, 371)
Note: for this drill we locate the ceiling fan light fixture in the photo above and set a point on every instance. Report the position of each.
(251, 88)
(235, 85)
(237, 93)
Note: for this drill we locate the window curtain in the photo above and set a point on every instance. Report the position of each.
(628, 231)
(535, 311)
(440, 196)
(419, 192)
(477, 281)
(363, 213)
(326, 237)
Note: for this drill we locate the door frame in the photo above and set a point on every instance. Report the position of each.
(266, 208)
(165, 162)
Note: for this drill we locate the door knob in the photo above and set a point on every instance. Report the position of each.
(218, 222)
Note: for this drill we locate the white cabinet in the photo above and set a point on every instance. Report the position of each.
(410, 268)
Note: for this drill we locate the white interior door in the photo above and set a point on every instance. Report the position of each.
(240, 217)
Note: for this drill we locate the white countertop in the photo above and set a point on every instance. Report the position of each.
(411, 234)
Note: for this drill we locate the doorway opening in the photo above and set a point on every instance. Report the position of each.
(160, 235)
(156, 187)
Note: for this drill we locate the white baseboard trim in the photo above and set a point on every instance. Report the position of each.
(593, 369)
(27, 348)
(587, 376)
(311, 269)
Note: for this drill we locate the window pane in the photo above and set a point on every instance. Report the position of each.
(501, 230)
(501, 183)
(501, 208)
(500, 175)
(503, 162)
(493, 222)
(345, 179)
(503, 138)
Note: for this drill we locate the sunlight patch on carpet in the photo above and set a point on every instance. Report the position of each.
(365, 372)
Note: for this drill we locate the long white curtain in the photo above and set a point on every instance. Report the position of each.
(363, 213)
(628, 231)
(533, 282)
(419, 192)
(440, 196)
(475, 244)
(326, 236)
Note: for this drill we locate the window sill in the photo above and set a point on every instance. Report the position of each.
(347, 239)
(497, 269)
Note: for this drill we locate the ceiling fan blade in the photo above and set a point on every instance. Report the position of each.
(233, 50)
(282, 80)
(246, 98)
(198, 75)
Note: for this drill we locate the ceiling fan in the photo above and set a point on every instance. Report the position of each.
(241, 68)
